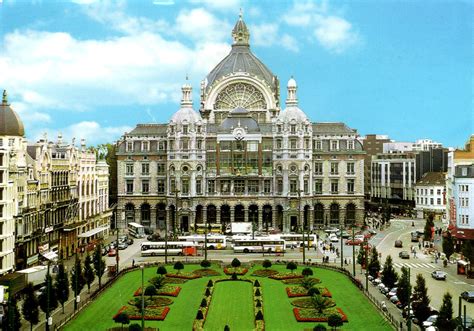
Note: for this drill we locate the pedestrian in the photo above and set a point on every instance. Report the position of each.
(133, 263)
(345, 261)
(419, 245)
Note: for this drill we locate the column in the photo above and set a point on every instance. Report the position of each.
(274, 217)
(246, 215)
(168, 219)
(311, 218)
(218, 215)
(138, 218)
(260, 218)
(204, 214)
(153, 224)
(232, 213)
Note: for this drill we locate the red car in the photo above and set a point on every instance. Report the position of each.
(353, 242)
(112, 252)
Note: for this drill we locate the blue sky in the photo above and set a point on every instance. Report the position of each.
(94, 69)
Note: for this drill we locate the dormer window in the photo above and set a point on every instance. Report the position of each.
(279, 128)
(198, 129)
(145, 146)
(293, 128)
(350, 144)
(334, 145)
(185, 129)
(129, 146)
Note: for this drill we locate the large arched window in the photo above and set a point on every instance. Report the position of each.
(145, 215)
(129, 213)
(334, 213)
(350, 213)
(242, 95)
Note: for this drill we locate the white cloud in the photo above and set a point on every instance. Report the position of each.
(289, 43)
(201, 25)
(264, 34)
(335, 34)
(219, 4)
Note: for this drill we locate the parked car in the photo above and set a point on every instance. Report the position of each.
(122, 245)
(333, 238)
(353, 242)
(439, 275)
(404, 255)
(468, 296)
(130, 241)
(394, 299)
(153, 237)
(372, 232)
(430, 321)
(393, 292)
(398, 243)
(112, 252)
(359, 237)
(345, 235)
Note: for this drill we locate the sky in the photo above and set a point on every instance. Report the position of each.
(94, 69)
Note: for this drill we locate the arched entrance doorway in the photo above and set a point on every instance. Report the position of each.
(267, 217)
(129, 213)
(279, 217)
(350, 214)
(334, 214)
(239, 214)
(225, 217)
(319, 215)
(161, 216)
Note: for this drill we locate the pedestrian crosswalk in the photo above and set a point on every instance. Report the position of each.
(417, 265)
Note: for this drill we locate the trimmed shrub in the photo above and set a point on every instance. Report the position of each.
(226, 328)
(199, 315)
(259, 316)
(257, 292)
(307, 272)
(235, 263)
(205, 264)
(256, 283)
(203, 303)
(208, 293)
(210, 283)
(319, 327)
(291, 266)
(313, 291)
(234, 276)
(266, 264)
(334, 320)
(161, 270)
(258, 303)
(134, 327)
(178, 266)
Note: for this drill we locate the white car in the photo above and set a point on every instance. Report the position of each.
(359, 237)
(430, 321)
(333, 238)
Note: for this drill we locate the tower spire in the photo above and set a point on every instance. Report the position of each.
(291, 99)
(5, 98)
(240, 32)
(186, 99)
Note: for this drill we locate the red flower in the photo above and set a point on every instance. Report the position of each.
(296, 312)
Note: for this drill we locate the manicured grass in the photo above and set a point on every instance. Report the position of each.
(231, 305)
(277, 307)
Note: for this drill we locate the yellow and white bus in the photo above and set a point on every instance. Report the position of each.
(259, 245)
(181, 248)
(213, 241)
(136, 230)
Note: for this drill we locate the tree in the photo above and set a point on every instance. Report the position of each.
(307, 272)
(89, 274)
(374, 263)
(428, 228)
(77, 279)
(404, 287)
(30, 307)
(266, 264)
(178, 266)
(259, 316)
(445, 317)
(389, 274)
(157, 282)
(12, 320)
(235, 263)
(48, 295)
(361, 257)
(151, 291)
(122, 318)
(334, 320)
(448, 245)
(161, 270)
(421, 303)
(291, 266)
(99, 263)
(319, 302)
(226, 328)
(205, 264)
(468, 252)
(319, 327)
(135, 327)
(62, 284)
(313, 291)
(199, 315)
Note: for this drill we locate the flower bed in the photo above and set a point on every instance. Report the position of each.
(206, 272)
(299, 291)
(281, 276)
(184, 275)
(173, 280)
(308, 303)
(264, 273)
(168, 290)
(238, 271)
(151, 313)
(314, 281)
(311, 315)
(154, 302)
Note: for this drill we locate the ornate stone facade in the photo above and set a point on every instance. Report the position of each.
(241, 158)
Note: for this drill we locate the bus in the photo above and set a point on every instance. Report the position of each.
(213, 241)
(259, 245)
(293, 240)
(181, 248)
(136, 230)
(211, 228)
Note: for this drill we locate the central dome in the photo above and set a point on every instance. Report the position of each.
(241, 60)
(10, 123)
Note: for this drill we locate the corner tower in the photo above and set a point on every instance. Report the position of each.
(240, 80)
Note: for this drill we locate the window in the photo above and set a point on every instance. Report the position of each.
(185, 129)
(318, 145)
(278, 144)
(318, 168)
(350, 186)
(279, 128)
(334, 145)
(318, 186)
(11, 142)
(252, 146)
(350, 144)
(129, 187)
(129, 147)
(225, 186)
(1, 159)
(171, 145)
(438, 201)
(438, 191)
(198, 129)
(199, 144)
(431, 191)
(1, 210)
(307, 144)
(160, 168)
(350, 168)
(145, 168)
(162, 145)
(334, 186)
(129, 169)
(184, 145)
(161, 186)
(266, 186)
(293, 128)
(198, 186)
(280, 185)
(239, 186)
(293, 185)
(145, 146)
(334, 168)
(172, 185)
(253, 186)
(211, 186)
(306, 186)
(293, 143)
(145, 187)
(185, 186)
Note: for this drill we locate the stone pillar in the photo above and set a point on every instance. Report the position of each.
(138, 218)
(311, 219)
(260, 218)
(218, 215)
(168, 219)
(274, 217)
(153, 224)
(204, 214)
(246, 215)
(285, 222)
(232, 213)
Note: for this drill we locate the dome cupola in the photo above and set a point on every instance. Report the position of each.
(10, 123)
(186, 113)
(292, 112)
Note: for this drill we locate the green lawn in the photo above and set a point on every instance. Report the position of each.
(230, 302)
(230, 305)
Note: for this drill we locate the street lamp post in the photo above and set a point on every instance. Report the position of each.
(301, 219)
(341, 225)
(366, 264)
(176, 192)
(205, 238)
(353, 253)
(143, 298)
(47, 298)
(409, 295)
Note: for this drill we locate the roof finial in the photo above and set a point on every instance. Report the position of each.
(241, 13)
(5, 98)
(187, 77)
(241, 33)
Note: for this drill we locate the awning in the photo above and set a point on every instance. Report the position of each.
(92, 232)
(50, 256)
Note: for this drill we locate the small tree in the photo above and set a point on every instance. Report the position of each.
(267, 264)
(334, 320)
(89, 274)
(205, 264)
(210, 283)
(445, 317)
(319, 302)
(161, 270)
(374, 263)
(319, 327)
(291, 266)
(404, 287)
(157, 282)
(134, 327)
(199, 315)
(307, 272)
(448, 245)
(77, 279)
(48, 294)
(122, 318)
(62, 285)
(226, 328)
(178, 266)
(389, 274)
(422, 307)
(30, 307)
(258, 303)
(468, 251)
(203, 303)
(151, 291)
(12, 320)
(235, 263)
(257, 292)
(259, 316)
(313, 291)
(361, 257)
(256, 283)
(99, 264)
(207, 293)
(428, 233)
